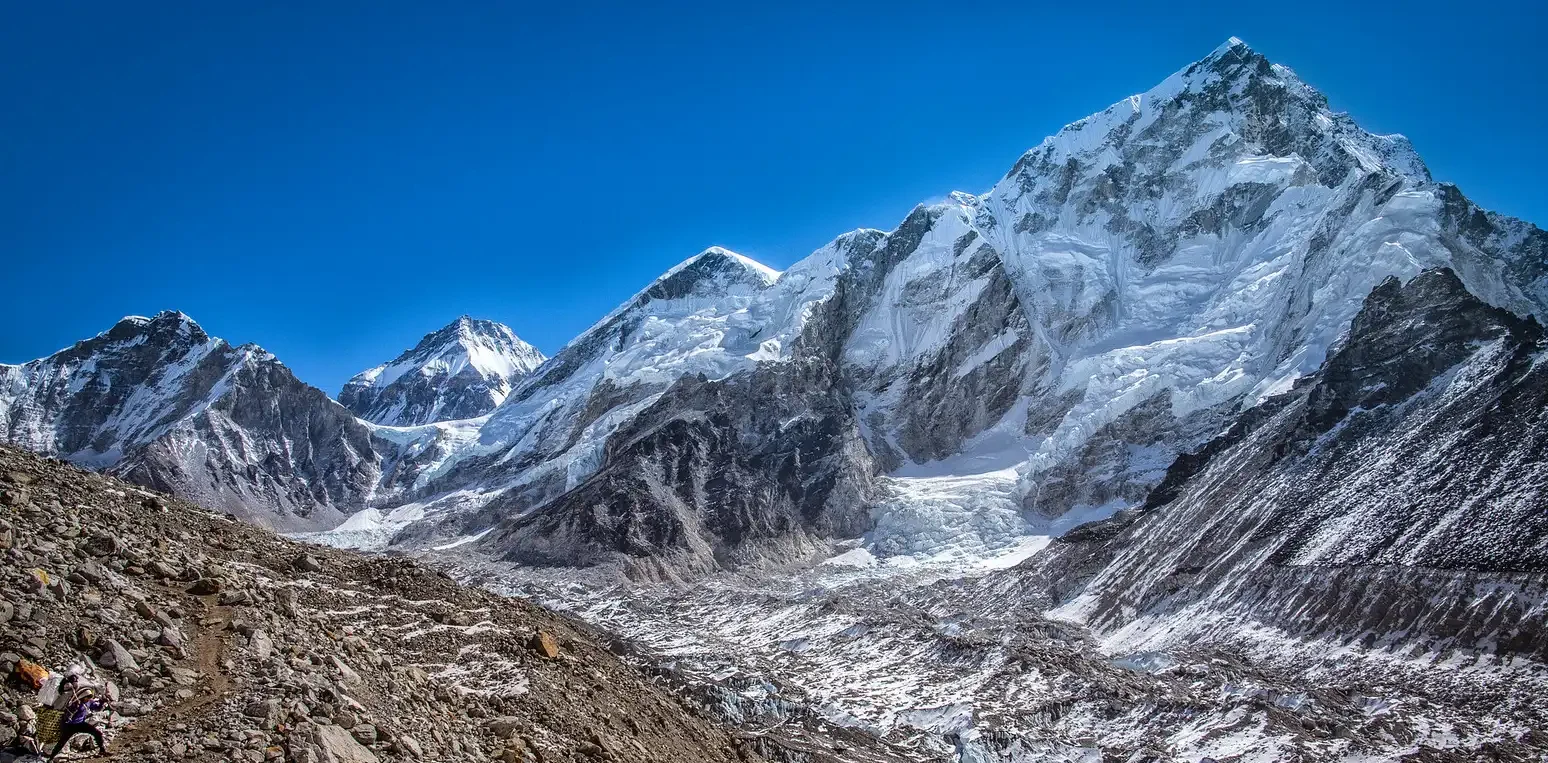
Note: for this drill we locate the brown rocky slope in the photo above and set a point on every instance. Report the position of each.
(226, 642)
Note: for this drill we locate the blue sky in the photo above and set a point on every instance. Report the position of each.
(334, 183)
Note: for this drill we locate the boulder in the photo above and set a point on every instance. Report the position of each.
(504, 727)
(314, 743)
(115, 656)
(544, 644)
(205, 587)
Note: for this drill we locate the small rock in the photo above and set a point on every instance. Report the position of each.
(262, 708)
(234, 598)
(262, 645)
(504, 727)
(407, 745)
(92, 572)
(347, 674)
(333, 744)
(18, 478)
(59, 588)
(308, 563)
(145, 610)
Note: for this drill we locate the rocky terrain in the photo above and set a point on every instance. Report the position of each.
(224, 642)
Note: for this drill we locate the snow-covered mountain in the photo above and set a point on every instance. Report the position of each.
(1210, 386)
(1128, 288)
(1353, 571)
(160, 402)
(1131, 286)
(462, 371)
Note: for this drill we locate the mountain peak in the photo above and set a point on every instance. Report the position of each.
(464, 329)
(167, 325)
(1232, 44)
(462, 370)
(721, 258)
(711, 271)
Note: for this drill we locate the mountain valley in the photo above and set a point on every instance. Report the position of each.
(1214, 430)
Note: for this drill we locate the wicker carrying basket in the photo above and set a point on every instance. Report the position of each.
(50, 723)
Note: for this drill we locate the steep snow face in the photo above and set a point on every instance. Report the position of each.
(1139, 277)
(462, 371)
(161, 402)
(713, 315)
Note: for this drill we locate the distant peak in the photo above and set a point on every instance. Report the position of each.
(163, 317)
(465, 328)
(161, 321)
(173, 317)
(164, 323)
(719, 259)
(1234, 43)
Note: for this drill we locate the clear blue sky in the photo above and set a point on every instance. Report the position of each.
(333, 180)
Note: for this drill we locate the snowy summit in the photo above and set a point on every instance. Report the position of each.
(461, 371)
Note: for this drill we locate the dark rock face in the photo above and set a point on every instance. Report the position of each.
(160, 402)
(461, 371)
(714, 474)
(287, 450)
(1399, 496)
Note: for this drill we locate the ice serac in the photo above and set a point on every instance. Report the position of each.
(1396, 497)
(160, 402)
(462, 371)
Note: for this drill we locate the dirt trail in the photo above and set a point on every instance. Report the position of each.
(212, 635)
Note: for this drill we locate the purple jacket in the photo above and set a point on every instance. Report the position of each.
(80, 711)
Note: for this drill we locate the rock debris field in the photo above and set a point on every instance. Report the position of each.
(224, 642)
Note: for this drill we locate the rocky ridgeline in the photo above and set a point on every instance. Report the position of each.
(225, 642)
